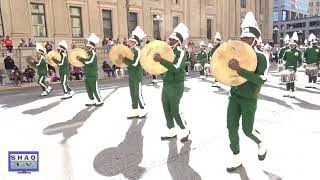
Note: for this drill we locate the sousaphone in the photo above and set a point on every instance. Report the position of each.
(122, 50)
(239, 50)
(147, 56)
(53, 55)
(77, 52)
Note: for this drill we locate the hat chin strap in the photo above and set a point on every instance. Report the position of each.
(253, 42)
(175, 45)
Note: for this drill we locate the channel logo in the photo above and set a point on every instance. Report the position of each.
(23, 161)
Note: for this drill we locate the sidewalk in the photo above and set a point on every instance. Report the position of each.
(25, 85)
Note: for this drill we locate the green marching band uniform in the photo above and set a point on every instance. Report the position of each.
(42, 67)
(283, 49)
(135, 76)
(173, 85)
(292, 58)
(64, 70)
(243, 99)
(91, 72)
(312, 56)
(202, 58)
(217, 40)
(188, 60)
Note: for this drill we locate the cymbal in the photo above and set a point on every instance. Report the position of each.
(73, 56)
(147, 56)
(239, 50)
(51, 55)
(118, 49)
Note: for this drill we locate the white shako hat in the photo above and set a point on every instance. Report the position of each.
(210, 45)
(92, 40)
(217, 37)
(286, 38)
(294, 39)
(63, 45)
(40, 48)
(250, 26)
(202, 43)
(137, 35)
(180, 33)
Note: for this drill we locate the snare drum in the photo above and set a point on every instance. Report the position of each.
(281, 67)
(288, 76)
(312, 70)
(198, 67)
(207, 69)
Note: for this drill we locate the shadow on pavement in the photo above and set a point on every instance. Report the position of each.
(272, 176)
(275, 100)
(126, 157)
(42, 109)
(178, 162)
(306, 105)
(69, 128)
(242, 172)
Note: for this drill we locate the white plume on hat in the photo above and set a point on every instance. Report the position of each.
(249, 23)
(210, 45)
(286, 38)
(180, 30)
(93, 38)
(202, 43)
(294, 38)
(311, 37)
(267, 47)
(217, 37)
(40, 48)
(64, 44)
(139, 32)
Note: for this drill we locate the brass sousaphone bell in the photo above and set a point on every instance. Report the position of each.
(239, 50)
(77, 52)
(122, 50)
(53, 55)
(147, 56)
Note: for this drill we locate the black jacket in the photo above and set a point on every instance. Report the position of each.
(9, 63)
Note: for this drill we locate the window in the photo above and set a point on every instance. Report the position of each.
(133, 21)
(209, 29)
(1, 25)
(156, 27)
(243, 3)
(318, 4)
(310, 4)
(38, 20)
(107, 23)
(175, 20)
(76, 22)
(175, 1)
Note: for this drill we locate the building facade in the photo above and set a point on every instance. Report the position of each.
(74, 20)
(314, 8)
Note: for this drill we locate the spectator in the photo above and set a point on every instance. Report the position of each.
(105, 44)
(23, 43)
(30, 44)
(29, 73)
(9, 65)
(8, 44)
(53, 76)
(1, 78)
(118, 71)
(125, 42)
(107, 69)
(17, 76)
(73, 45)
(77, 73)
(48, 47)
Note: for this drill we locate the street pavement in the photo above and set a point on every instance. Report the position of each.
(80, 143)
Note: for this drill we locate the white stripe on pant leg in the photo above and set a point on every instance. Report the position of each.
(258, 135)
(97, 93)
(140, 95)
(64, 84)
(40, 82)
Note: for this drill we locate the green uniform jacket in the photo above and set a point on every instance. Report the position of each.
(135, 70)
(176, 70)
(312, 55)
(91, 64)
(292, 57)
(281, 52)
(251, 88)
(202, 56)
(213, 50)
(42, 66)
(63, 65)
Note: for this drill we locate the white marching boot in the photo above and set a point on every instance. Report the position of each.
(143, 113)
(170, 134)
(91, 103)
(309, 85)
(49, 89)
(71, 93)
(44, 93)
(134, 113)
(291, 95)
(184, 135)
(262, 152)
(66, 96)
(235, 163)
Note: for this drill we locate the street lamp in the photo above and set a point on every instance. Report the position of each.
(158, 20)
(275, 35)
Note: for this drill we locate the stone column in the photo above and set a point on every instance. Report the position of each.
(238, 19)
(232, 18)
(95, 20)
(60, 20)
(147, 18)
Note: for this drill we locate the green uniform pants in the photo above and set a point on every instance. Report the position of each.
(64, 82)
(246, 108)
(136, 93)
(42, 82)
(290, 86)
(92, 88)
(171, 95)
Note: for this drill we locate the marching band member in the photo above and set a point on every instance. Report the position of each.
(216, 44)
(188, 59)
(243, 98)
(259, 45)
(292, 57)
(64, 70)
(135, 75)
(312, 56)
(91, 72)
(42, 67)
(173, 84)
(284, 48)
(202, 58)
